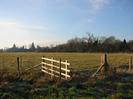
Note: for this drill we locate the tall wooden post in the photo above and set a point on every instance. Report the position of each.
(18, 68)
(1, 69)
(3, 62)
(106, 65)
(102, 60)
(52, 63)
(43, 61)
(66, 69)
(130, 63)
(21, 62)
(60, 71)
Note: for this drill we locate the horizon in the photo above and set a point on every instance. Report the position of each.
(27, 46)
(47, 22)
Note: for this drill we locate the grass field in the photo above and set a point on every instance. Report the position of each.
(33, 84)
(78, 61)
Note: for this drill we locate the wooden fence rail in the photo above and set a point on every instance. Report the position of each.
(55, 68)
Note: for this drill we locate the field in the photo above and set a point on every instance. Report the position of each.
(78, 60)
(83, 64)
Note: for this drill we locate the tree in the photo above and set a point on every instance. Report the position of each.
(22, 49)
(124, 46)
(89, 39)
(130, 44)
(76, 45)
(1, 50)
(88, 43)
(32, 47)
(14, 48)
(39, 48)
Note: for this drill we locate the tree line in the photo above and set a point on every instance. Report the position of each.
(89, 43)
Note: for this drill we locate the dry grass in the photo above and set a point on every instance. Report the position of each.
(36, 84)
(78, 60)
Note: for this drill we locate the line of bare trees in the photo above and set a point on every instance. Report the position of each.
(90, 43)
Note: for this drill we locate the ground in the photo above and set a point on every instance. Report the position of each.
(34, 84)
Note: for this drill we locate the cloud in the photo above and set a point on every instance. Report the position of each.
(98, 4)
(15, 27)
(21, 34)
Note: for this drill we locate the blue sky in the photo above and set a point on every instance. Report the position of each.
(47, 22)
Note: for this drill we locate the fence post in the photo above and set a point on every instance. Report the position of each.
(3, 62)
(18, 68)
(101, 60)
(52, 63)
(21, 62)
(106, 65)
(43, 60)
(66, 69)
(1, 69)
(60, 71)
(130, 63)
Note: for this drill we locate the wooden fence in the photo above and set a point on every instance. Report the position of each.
(56, 68)
(106, 67)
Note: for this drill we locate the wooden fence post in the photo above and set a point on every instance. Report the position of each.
(130, 63)
(18, 68)
(1, 69)
(66, 69)
(60, 71)
(43, 61)
(101, 60)
(3, 62)
(21, 62)
(106, 66)
(52, 63)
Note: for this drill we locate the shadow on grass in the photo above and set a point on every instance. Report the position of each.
(81, 86)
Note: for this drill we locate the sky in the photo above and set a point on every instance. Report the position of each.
(51, 22)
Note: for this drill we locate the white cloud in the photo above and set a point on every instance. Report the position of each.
(21, 34)
(98, 4)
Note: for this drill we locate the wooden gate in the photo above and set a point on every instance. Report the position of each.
(56, 68)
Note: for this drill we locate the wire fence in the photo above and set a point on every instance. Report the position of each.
(79, 62)
(10, 63)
